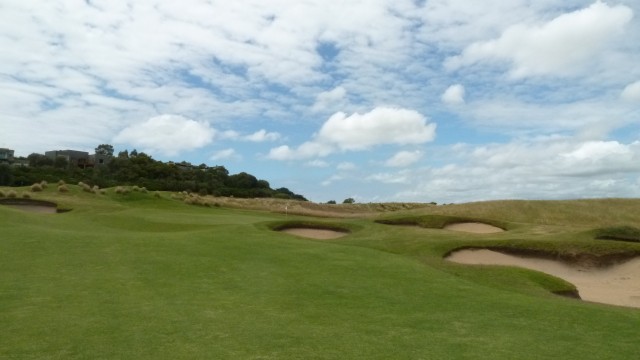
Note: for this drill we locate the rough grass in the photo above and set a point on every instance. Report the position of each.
(621, 233)
(141, 277)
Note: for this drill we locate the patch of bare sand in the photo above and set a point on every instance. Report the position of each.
(617, 285)
(35, 208)
(321, 234)
(475, 228)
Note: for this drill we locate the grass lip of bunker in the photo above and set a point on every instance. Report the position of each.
(452, 223)
(32, 205)
(619, 233)
(312, 230)
(607, 279)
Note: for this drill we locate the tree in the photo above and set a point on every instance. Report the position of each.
(331, 202)
(123, 154)
(105, 150)
(348, 201)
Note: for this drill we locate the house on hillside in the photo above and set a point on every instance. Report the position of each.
(73, 157)
(6, 156)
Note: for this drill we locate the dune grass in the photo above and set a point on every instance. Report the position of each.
(135, 276)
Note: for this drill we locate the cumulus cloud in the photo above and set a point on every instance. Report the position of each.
(454, 95)
(381, 126)
(331, 99)
(167, 134)
(226, 154)
(403, 159)
(262, 136)
(631, 92)
(555, 47)
(547, 168)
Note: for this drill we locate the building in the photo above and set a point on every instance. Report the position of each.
(73, 157)
(6, 156)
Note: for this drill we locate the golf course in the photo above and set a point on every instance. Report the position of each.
(130, 274)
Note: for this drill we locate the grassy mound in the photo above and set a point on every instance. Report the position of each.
(437, 221)
(620, 233)
(140, 276)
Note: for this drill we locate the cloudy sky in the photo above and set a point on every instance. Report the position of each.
(379, 100)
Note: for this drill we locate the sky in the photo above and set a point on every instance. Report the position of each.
(377, 100)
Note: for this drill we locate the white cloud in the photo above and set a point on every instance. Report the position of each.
(329, 100)
(167, 134)
(346, 166)
(317, 163)
(262, 136)
(388, 178)
(548, 168)
(225, 154)
(454, 95)
(556, 47)
(381, 126)
(631, 92)
(403, 159)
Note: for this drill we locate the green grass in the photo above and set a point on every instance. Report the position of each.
(135, 276)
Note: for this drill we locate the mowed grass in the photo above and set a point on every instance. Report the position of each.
(135, 277)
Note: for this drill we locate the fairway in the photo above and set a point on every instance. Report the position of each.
(139, 276)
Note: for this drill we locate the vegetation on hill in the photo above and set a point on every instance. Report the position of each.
(142, 170)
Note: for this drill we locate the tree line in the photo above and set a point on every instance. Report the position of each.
(138, 168)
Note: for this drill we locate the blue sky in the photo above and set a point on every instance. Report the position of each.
(379, 100)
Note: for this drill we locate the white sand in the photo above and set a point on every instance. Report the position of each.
(616, 285)
(475, 228)
(35, 208)
(321, 234)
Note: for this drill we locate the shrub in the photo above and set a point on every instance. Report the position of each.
(86, 188)
(103, 191)
(26, 195)
(95, 189)
(44, 184)
(61, 182)
(144, 190)
(135, 188)
(157, 194)
(36, 187)
(63, 188)
(81, 184)
(12, 194)
(2, 194)
(122, 190)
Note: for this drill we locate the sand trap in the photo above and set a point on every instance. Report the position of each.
(35, 208)
(31, 205)
(475, 228)
(616, 285)
(321, 234)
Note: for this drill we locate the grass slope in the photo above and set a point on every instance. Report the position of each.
(136, 276)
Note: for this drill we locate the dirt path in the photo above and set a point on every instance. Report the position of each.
(616, 285)
(476, 228)
(315, 233)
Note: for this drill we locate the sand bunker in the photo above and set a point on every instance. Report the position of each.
(616, 285)
(29, 205)
(321, 234)
(475, 228)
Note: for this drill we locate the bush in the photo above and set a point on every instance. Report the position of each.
(36, 187)
(12, 194)
(144, 190)
(86, 188)
(95, 189)
(63, 188)
(44, 184)
(135, 188)
(122, 190)
(157, 194)
(2, 194)
(26, 195)
(61, 182)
